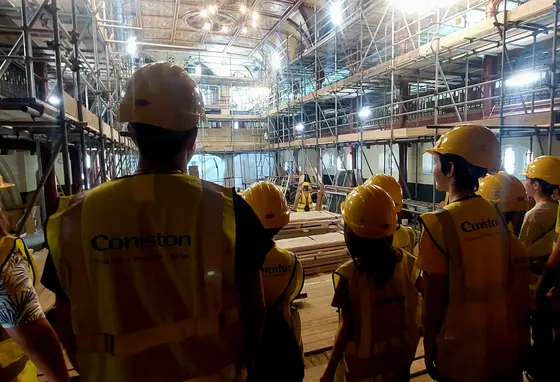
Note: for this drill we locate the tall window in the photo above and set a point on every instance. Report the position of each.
(427, 163)
(509, 161)
(528, 158)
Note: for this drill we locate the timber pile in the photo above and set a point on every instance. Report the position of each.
(309, 224)
(319, 253)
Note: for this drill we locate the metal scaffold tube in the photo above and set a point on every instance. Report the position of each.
(553, 65)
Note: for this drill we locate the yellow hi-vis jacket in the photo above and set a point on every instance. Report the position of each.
(479, 338)
(148, 264)
(385, 335)
(405, 238)
(304, 201)
(14, 365)
(282, 274)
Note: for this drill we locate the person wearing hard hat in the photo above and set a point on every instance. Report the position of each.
(160, 270)
(538, 230)
(508, 194)
(377, 334)
(404, 237)
(27, 340)
(475, 270)
(280, 358)
(305, 201)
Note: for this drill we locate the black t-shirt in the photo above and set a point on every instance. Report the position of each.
(252, 244)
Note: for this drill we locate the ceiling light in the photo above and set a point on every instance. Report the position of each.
(54, 100)
(212, 9)
(300, 127)
(203, 12)
(336, 12)
(131, 46)
(364, 112)
(254, 24)
(243, 8)
(255, 15)
(244, 30)
(225, 29)
(207, 26)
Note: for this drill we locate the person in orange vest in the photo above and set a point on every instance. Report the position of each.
(27, 340)
(476, 288)
(378, 330)
(160, 270)
(280, 358)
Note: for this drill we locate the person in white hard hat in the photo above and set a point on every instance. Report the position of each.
(160, 270)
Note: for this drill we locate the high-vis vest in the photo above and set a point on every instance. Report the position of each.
(14, 365)
(478, 340)
(405, 238)
(305, 203)
(282, 274)
(148, 263)
(385, 335)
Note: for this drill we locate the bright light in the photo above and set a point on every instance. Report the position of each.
(421, 7)
(336, 12)
(254, 24)
(54, 100)
(255, 15)
(207, 26)
(198, 70)
(523, 79)
(225, 29)
(300, 127)
(204, 12)
(364, 112)
(235, 125)
(262, 91)
(509, 160)
(212, 9)
(243, 8)
(131, 46)
(244, 30)
(276, 61)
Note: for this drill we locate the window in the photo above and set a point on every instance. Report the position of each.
(509, 160)
(528, 158)
(427, 163)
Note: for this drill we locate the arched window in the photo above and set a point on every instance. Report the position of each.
(509, 160)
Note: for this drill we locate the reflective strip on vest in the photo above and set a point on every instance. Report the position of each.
(141, 285)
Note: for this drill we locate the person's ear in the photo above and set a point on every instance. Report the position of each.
(451, 170)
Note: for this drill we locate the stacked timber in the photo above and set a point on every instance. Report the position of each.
(310, 223)
(318, 254)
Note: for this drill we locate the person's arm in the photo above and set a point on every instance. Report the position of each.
(435, 304)
(340, 342)
(25, 322)
(550, 277)
(40, 344)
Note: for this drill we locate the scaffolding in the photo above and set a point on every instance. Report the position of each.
(381, 76)
(72, 115)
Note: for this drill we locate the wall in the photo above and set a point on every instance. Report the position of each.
(23, 166)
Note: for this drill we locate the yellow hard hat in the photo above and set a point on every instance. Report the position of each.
(476, 144)
(504, 190)
(369, 211)
(305, 184)
(546, 167)
(391, 186)
(162, 95)
(4, 184)
(268, 203)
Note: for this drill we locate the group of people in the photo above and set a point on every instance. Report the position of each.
(160, 276)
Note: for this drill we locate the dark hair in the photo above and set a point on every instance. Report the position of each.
(376, 257)
(466, 174)
(546, 188)
(155, 143)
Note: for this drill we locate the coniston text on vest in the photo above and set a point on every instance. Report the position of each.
(106, 243)
(470, 226)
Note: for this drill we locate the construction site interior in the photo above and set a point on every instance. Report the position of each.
(324, 91)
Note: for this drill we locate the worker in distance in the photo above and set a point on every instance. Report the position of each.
(475, 270)
(378, 332)
(158, 274)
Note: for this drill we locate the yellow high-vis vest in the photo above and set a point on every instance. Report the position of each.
(405, 238)
(305, 202)
(14, 364)
(148, 264)
(282, 274)
(385, 335)
(478, 340)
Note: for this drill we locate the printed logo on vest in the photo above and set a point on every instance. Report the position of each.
(476, 226)
(276, 270)
(107, 243)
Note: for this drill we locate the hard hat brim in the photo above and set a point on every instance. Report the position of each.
(6, 185)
